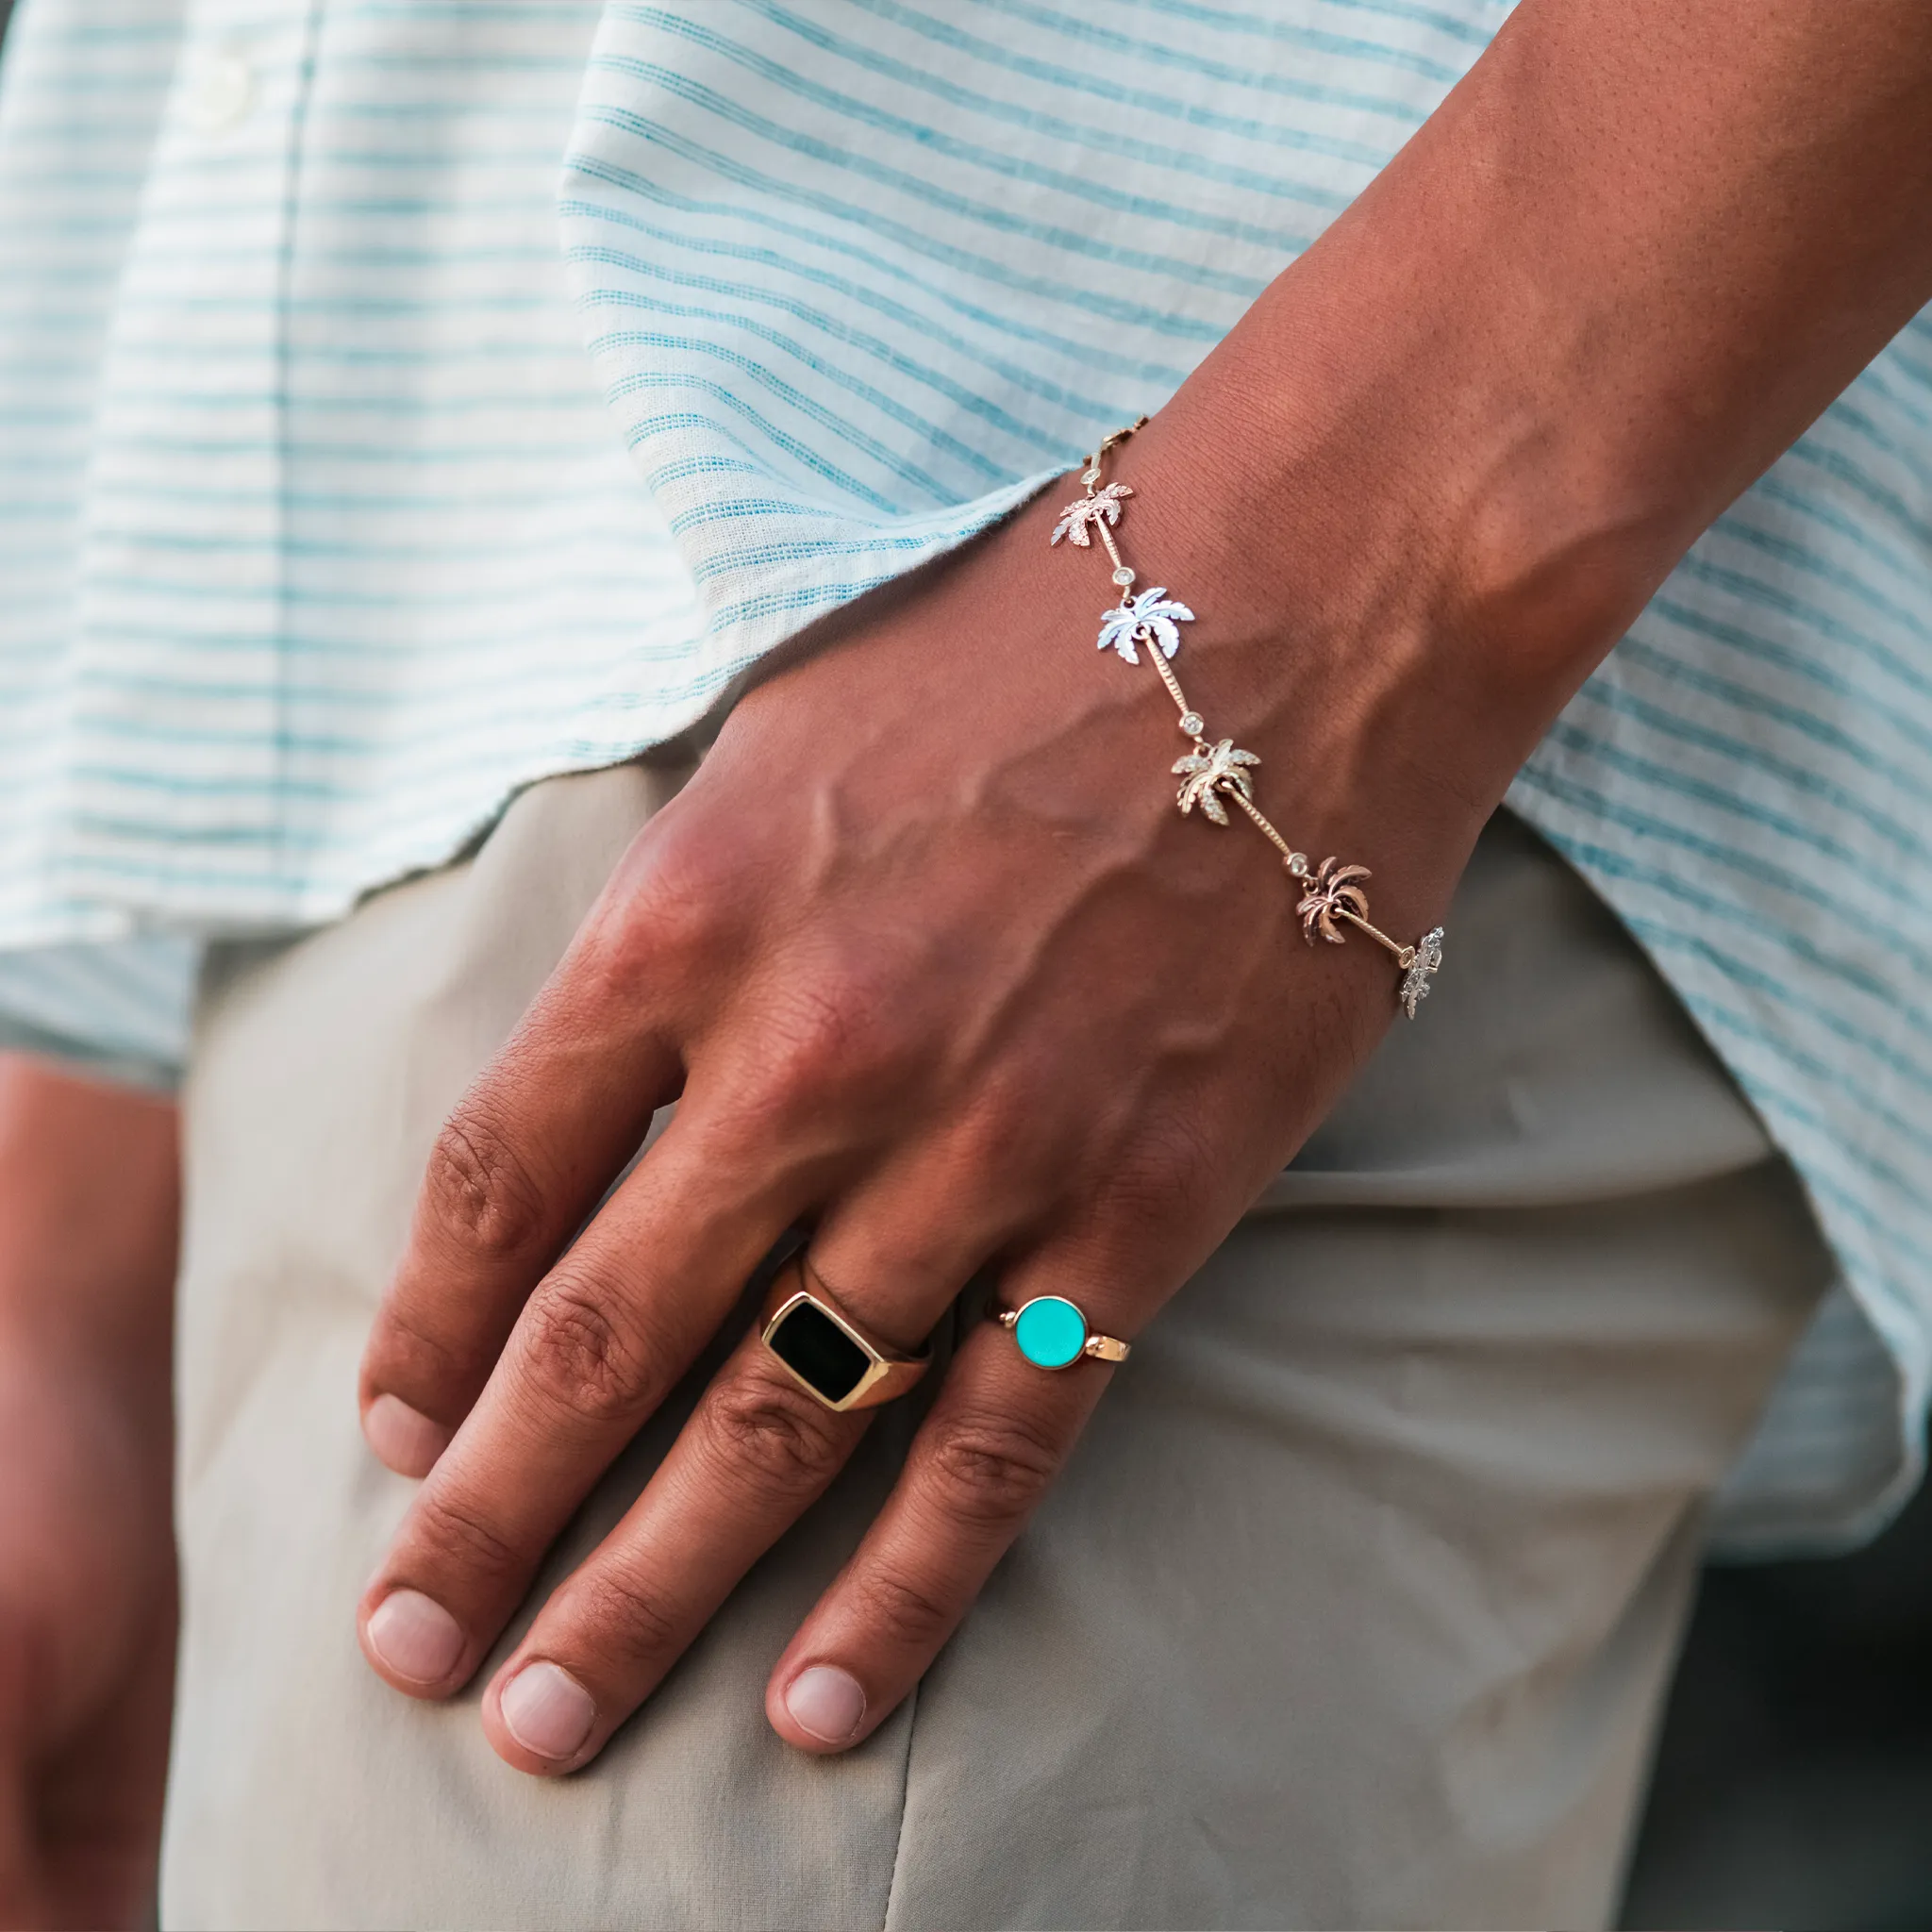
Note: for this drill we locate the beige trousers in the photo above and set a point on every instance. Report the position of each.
(1353, 1608)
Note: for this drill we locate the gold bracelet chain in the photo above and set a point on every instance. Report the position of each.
(1215, 775)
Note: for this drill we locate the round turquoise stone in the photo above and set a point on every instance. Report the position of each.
(1051, 1332)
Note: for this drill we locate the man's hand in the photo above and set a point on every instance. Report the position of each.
(938, 969)
(87, 1213)
(933, 964)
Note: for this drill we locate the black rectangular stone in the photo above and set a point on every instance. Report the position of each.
(815, 1348)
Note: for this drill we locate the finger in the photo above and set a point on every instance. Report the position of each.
(756, 1454)
(999, 1434)
(516, 1168)
(602, 1341)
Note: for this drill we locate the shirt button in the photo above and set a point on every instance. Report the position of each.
(221, 92)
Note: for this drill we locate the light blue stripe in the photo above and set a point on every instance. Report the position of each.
(882, 352)
(1712, 909)
(1085, 82)
(1081, 27)
(987, 214)
(989, 268)
(1159, 374)
(990, 108)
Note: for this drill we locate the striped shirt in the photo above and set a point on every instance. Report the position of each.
(403, 400)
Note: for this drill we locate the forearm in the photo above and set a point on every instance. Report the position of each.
(89, 1215)
(87, 1218)
(1635, 252)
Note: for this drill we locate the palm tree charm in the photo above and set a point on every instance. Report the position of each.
(1151, 618)
(1332, 894)
(1099, 507)
(1211, 772)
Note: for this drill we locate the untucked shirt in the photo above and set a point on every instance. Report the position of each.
(403, 400)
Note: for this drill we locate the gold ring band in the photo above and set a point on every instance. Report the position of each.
(825, 1350)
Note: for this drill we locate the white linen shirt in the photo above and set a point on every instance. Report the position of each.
(405, 400)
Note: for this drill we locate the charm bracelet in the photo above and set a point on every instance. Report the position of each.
(1215, 775)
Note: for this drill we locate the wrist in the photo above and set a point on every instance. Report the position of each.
(1464, 568)
(1340, 658)
(1346, 777)
(1447, 456)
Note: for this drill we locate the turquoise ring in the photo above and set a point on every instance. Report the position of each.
(1052, 1332)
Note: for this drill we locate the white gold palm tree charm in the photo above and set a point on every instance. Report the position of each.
(1209, 773)
(1097, 506)
(1425, 961)
(1152, 618)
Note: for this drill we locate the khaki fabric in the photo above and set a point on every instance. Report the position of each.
(1354, 1608)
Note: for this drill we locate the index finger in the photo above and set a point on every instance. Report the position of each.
(512, 1176)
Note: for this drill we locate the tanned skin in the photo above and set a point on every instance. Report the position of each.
(88, 1194)
(932, 962)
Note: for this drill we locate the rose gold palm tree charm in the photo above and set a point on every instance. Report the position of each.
(1216, 775)
(1096, 508)
(1333, 894)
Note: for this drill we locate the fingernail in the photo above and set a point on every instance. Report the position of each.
(827, 1702)
(547, 1711)
(403, 1437)
(416, 1638)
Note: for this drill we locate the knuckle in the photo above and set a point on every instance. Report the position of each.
(627, 1620)
(904, 1611)
(579, 1358)
(990, 1469)
(459, 1536)
(637, 948)
(833, 1035)
(814, 1041)
(1015, 1142)
(479, 1189)
(779, 1433)
(1164, 1174)
(665, 912)
(410, 1358)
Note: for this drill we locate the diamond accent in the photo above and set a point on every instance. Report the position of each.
(1193, 723)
